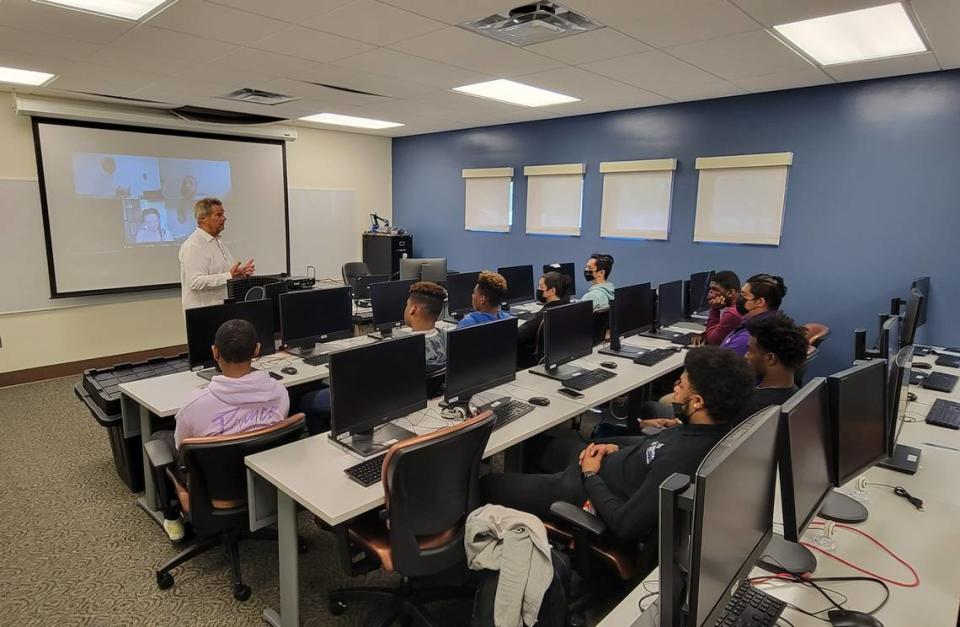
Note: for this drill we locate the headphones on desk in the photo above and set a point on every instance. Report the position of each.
(456, 411)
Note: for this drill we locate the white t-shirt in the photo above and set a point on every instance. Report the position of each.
(204, 269)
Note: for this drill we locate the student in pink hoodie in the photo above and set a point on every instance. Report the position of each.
(241, 399)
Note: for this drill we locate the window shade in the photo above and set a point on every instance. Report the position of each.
(488, 203)
(554, 199)
(740, 199)
(636, 198)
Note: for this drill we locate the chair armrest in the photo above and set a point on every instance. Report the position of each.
(158, 453)
(578, 517)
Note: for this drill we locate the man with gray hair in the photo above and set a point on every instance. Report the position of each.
(205, 263)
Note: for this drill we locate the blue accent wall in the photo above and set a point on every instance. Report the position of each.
(872, 198)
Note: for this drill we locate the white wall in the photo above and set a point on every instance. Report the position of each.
(318, 159)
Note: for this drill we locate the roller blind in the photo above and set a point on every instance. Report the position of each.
(488, 202)
(554, 199)
(636, 198)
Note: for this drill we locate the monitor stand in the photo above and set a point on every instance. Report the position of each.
(905, 459)
(618, 349)
(304, 350)
(375, 441)
(209, 373)
(560, 373)
(843, 509)
(781, 556)
(387, 333)
(663, 334)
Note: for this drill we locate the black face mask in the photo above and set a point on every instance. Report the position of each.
(540, 297)
(588, 275)
(742, 305)
(680, 411)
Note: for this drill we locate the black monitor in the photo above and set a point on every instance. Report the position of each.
(910, 318)
(273, 291)
(922, 285)
(902, 458)
(311, 316)
(520, 288)
(698, 291)
(631, 312)
(858, 419)
(479, 358)
(460, 292)
(567, 335)
(669, 303)
(203, 322)
(389, 301)
(569, 269)
(372, 384)
(889, 343)
(425, 269)
(362, 287)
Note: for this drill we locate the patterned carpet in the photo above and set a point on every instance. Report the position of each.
(77, 550)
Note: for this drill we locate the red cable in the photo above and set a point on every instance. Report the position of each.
(916, 577)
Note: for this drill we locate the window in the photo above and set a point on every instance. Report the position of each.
(488, 204)
(636, 198)
(740, 199)
(554, 198)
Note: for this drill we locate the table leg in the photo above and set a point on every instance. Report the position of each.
(289, 615)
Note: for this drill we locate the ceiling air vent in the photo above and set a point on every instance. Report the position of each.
(532, 24)
(257, 96)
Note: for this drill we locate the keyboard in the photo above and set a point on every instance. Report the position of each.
(506, 410)
(944, 414)
(367, 472)
(951, 361)
(940, 381)
(317, 360)
(588, 379)
(749, 607)
(653, 357)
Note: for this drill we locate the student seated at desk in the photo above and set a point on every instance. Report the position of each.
(597, 273)
(241, 399)
(760, 297)
(488, 294)
(424, 306)
(551, 292)
(621, 484)
(723, 317)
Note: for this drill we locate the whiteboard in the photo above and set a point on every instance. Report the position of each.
(323, 230)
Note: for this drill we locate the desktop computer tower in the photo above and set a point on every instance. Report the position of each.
(382, 253)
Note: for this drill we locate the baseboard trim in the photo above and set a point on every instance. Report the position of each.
(55, 371)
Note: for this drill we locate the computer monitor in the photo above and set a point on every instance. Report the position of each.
(889, 343)
(203, 322)
(910, 318)
(372, 384)
(460, 292)
(389, 301)
(631, 312)
(479, 358)
(311, 316)
(362, 287)
(858, 419)
(567, 335)
(569, 269)
(273, 291)
(669, 303)
(922, 285)
(902, 458)
(410, 269)
(698, 292)
(520, 288)
(425, 269)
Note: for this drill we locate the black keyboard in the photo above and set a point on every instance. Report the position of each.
(317, 360)
(944, 414)
(367, 472)
(940, 381)
(951, 361)
(588, 379)
(653, 357)
(506, 410)
(749, 607)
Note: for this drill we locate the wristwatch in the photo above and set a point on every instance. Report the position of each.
(589, 473)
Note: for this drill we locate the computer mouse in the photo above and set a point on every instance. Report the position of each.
(922, 365)
(288, 370)
(852, 618)
(609, 364)
(675, 348)
(541, 401)
(911, 396)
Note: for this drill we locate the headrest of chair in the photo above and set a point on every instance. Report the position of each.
(215, 439)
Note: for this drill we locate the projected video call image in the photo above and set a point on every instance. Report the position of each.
(155, 195)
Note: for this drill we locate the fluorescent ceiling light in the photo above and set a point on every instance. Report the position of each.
(23, 77)
(875, 33)
(124, 9)
(515, 93)
(349, 120)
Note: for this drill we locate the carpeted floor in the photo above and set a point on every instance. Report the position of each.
(78, 551)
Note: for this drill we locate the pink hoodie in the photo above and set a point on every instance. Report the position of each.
(229, 406)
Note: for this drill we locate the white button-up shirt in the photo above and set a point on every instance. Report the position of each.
(204, 269)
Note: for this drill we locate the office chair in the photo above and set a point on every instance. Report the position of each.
(601, 325)
(352, 270)
(211, 486)
(257, 292)
(436, 380)
(420, 532)
(817, 334)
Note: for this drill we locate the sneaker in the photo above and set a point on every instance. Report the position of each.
(174, 529)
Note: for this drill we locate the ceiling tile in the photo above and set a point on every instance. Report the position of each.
(783, 80)
(774, 12)
(654, 71)
(30, 42)
(112, 56)
(398, 65)
(293, 11)
(214, 80)
(594, 45)
(741, 56)
(454, 11)
(214, 21)
(318, 93)
(50, 20)
(120, 76)
(459, 47)
(264, 62)
(310, 44)
(36, 62)
(92, 86)
(362, 81)
(374, 23)
(940, 20)
(702, 91)
(149, 40)
(949, 58)
(458, 104)
(910, 64)
(586, 86)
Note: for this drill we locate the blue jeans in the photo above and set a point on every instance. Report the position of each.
(316, 407)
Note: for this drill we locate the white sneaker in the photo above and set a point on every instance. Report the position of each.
(174, 529)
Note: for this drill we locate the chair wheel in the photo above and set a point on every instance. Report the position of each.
(241, 592)
(337, 607)
(164, 580)
(302, 546)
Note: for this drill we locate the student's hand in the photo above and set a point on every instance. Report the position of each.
(591, 458)
(660, 423)
(697, 340)
(718, 302)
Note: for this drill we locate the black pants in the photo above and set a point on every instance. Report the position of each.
(169, 504)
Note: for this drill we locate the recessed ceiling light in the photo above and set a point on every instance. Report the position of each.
(349, 120)
(23, 77)
(515, 93)
(875, 33)
(124, 9)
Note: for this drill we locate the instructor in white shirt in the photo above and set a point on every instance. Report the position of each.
(205, 263)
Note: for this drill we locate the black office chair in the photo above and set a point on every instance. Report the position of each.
(817, 334)
(601, 325)
(211, 484)
(420, 532)
(353, 270)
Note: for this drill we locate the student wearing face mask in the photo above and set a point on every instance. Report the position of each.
(597, 273)
(621, 484)
(759, 298)
(552, 291)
